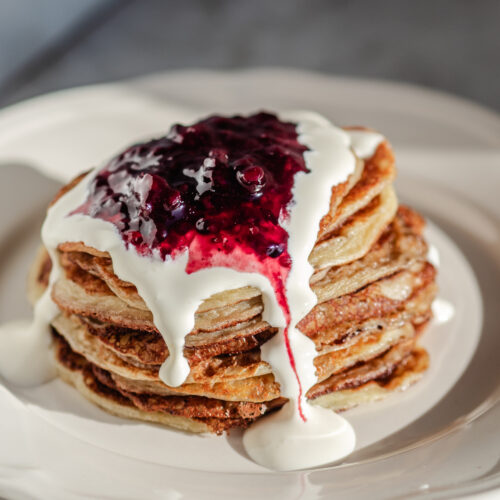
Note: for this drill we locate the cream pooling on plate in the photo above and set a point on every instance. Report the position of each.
(330, 162)
(442, 310)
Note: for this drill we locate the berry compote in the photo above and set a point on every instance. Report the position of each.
(220, 189)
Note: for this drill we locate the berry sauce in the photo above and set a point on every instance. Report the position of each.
(220, 189)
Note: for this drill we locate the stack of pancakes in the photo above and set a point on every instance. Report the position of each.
(374, 290)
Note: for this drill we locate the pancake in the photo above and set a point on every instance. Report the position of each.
(366, 348)
(78, 257)
(81, 292)
(373, 381)
(355, 237)
(374, 289)
(144, 349)
(376, 173)
(243, 365)
(404, 296)
(254, 389)
(378, 368)
(78, 372)
(398, 247)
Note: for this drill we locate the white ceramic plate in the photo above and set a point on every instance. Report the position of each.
(54, 444)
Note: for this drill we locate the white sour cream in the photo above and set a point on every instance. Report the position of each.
(365, 142)
(442, 310)
(433, 256)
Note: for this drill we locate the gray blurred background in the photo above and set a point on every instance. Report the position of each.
(452, 45)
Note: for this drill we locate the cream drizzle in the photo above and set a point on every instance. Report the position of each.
(281, 441)
(364, 142)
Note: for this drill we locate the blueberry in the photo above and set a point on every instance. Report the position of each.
(252, 178)
(275, 250)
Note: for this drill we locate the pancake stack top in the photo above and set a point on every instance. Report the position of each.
(371, 278)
